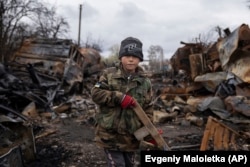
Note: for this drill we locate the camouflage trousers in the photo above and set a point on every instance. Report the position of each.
(121, 158)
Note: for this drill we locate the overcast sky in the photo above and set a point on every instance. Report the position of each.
(154, 22)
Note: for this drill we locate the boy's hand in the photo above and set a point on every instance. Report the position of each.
(127, 101)
(152, 141)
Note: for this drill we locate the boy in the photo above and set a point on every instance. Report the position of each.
(115, 93)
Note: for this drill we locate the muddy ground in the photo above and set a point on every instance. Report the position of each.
(69, 142)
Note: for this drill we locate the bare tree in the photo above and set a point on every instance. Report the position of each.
(115, 50)
(155, 55)
(113, 56)
(48, 24)
(210, 37)
(90, 43)
(11, 13)
(22, 18)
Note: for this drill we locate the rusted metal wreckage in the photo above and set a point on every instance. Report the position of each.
(42, 73)
(56, 61)
(216, 81)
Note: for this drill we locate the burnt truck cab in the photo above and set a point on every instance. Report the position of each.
(51, 61)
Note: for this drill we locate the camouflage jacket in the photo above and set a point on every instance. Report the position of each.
(115, 126)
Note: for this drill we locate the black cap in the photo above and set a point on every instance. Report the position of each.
(131, 46)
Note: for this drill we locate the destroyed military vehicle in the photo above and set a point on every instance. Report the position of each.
(40, 75)
(50, 61)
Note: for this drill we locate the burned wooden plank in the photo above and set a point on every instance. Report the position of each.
(206, 135)
(226, 140)
(218, 136)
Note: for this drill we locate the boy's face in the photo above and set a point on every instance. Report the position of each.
(130, 63)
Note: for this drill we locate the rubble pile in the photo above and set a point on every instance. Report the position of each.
(215, 85)
(41, 83)
(203, 105)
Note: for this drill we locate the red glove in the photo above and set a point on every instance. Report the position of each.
(160, 131)
(127, 101)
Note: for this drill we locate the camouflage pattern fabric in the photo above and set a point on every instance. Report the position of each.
(115, 126)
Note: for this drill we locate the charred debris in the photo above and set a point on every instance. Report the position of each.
(206, 87)
(43, 78)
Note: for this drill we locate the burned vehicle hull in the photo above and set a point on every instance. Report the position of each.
(50, 61)
(42, 74)
(17, 143)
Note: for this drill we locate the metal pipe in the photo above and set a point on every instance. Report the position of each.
(79, 30)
